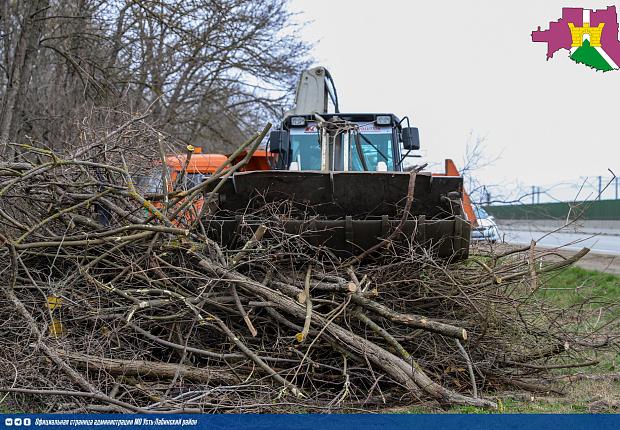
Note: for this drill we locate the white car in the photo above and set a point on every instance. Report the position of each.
(485, 228)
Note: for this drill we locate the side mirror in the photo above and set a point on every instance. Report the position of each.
(278, 141)
(411, 138)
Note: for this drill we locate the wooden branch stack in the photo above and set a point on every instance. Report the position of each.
(151, 315)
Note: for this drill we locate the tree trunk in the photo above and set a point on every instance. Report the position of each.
(20, 68)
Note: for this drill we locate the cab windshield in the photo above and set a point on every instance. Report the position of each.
(306, 148)
(369, 147)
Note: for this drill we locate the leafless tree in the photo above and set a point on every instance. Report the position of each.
(21, 35)
(477, 156)
(206, 71)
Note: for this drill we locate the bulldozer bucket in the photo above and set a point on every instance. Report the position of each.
(348, 212)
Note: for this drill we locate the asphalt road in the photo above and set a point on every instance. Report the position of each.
(602, 244)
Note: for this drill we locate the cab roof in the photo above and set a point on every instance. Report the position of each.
(353, 117)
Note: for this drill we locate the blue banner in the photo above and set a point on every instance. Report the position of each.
(309, 422)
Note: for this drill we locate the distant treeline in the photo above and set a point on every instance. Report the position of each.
(592, 210)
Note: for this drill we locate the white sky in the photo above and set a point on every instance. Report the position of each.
(459, 67)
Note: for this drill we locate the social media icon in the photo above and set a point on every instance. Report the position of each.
(8, 422)
(17, 421)
(27, 421)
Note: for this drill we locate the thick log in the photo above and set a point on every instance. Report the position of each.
(150, 369)
(411, 320)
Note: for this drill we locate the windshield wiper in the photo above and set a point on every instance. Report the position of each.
(360, 153)
(373, 145)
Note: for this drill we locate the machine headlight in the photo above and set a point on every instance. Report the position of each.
(298, 121)
(383, 120)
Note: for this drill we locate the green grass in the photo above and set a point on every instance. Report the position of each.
(579, 281)
(579, 399)
(534, 405)
(573, 285)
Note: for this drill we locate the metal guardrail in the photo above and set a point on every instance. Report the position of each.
(589, 210)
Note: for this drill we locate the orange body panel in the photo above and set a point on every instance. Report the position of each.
(258, 161)
(451, 170)
(198, 163)
(209, 163)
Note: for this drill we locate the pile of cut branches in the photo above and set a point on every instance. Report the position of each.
(112, 302)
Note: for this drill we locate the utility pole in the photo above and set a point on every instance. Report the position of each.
(600, 187)
(533, 194)
(617, 188)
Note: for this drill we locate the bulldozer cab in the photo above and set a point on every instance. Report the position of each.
(343, 142)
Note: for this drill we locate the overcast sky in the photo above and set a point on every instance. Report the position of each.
(469, 67)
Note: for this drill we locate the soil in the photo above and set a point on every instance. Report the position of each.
(600, 263)
(592, 261)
